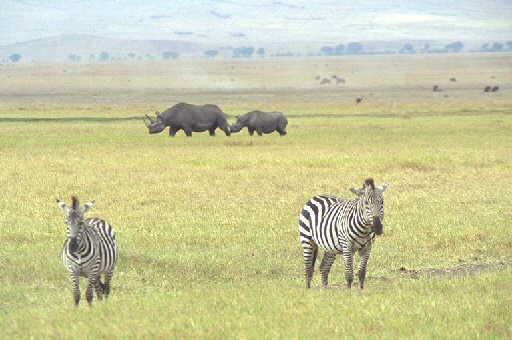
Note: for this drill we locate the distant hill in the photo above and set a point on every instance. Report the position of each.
(59, 48)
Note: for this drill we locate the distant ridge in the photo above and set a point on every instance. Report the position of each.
(59, 48)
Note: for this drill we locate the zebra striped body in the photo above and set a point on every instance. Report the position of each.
(97, 251)
(89, 251)
(96, 254)
(340, 226)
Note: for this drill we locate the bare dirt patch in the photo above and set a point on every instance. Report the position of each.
(463, 269)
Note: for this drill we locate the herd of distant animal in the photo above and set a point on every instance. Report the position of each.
(435, 88)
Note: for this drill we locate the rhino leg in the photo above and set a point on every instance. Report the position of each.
(260, 133)
(212, 132)
(188, 131)
(172, 131)
(251, 131)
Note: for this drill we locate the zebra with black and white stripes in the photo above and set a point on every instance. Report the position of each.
(89, 251)
(344, 226)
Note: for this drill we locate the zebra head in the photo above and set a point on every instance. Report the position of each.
(372, 199)
(74, 219)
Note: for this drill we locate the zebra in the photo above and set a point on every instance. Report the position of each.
(89, 251)
(339, 225)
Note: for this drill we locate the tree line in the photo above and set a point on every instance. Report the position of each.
(250, 51)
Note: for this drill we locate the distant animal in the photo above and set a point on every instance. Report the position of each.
(453, 79)
(487, 89)
(89, 251)
(340, 81)
(359, 100)
(325, 81)
(495, 89)
(190, 118)
(436, 88)
(341, 226)
(261, 122)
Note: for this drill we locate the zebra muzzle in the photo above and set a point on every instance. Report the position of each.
(377, 226)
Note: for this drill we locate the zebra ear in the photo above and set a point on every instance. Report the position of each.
(357, 192)
(63, 206)
(384, 187)
(88, 206)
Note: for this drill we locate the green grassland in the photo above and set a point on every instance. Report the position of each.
(207, 226)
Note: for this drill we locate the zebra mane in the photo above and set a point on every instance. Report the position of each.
(74, 201)
(369, 182)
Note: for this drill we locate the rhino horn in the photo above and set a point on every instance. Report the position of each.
(150, 119)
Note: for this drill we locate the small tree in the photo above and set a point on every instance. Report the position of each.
(260, 52)
(15, 57)
(497, 47)
(407, 49)
(211, 53)
(74, 58)
(169, 55)
(456, 47)
(243, 52)
(354, 48)
(327, 50)
(104, 56)
(339, 49)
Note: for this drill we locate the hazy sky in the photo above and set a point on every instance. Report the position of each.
(252, 21)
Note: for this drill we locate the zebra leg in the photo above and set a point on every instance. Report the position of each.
(348, 254)
(89, 294)
(94, 282)
(106, 285)
(325, 266)
(365, 255)
(75, 282)
(310, 253)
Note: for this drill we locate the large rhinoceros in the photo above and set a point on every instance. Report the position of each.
(190, 118)
(261, 122)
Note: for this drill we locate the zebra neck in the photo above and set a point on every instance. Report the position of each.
(365, 222)
(84, 240)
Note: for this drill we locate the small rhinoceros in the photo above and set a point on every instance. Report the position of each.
(261, 122)
(190, 118)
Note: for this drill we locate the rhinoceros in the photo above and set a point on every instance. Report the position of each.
(190, 118)
(261, 122)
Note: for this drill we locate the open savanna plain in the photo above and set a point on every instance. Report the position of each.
(207, 226)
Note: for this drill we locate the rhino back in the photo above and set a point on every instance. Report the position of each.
(267, 120)
(204, 116)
